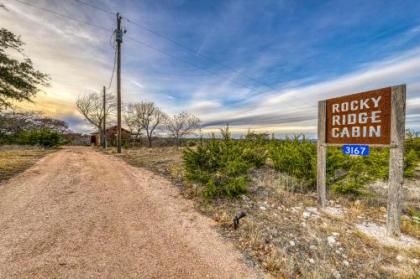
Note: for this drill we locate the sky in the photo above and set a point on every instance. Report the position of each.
(260, 65)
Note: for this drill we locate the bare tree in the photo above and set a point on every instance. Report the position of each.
(91, 107)
(148, 117)
(133, 121)
(182, 124)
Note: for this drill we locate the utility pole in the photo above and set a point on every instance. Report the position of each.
(118, 37)
(104, 128)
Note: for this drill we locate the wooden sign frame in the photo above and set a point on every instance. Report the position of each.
(396, 157)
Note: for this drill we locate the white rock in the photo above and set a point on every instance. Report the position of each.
(311, 260)
(335, 234)
(346, 263)
(331, 240)
(292, 243)
(306, 214)
(263, 208)
(312, 210)
(400, 258)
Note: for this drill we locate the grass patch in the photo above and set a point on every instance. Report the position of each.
(16, 159)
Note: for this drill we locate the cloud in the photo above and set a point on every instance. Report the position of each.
(254, 65)
(294, 105)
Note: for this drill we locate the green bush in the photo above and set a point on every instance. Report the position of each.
(345, 174)
(296, 157)
(221, 166)
(42, 137)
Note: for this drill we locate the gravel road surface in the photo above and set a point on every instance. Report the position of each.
(78, 213)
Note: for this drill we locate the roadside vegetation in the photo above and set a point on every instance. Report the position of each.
(24, 136)
(273, 181)
(221, 166)
(15, 159)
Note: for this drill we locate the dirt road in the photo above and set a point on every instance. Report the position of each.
(78, 213)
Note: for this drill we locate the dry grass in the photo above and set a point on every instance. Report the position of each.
(278, 235)
(15, 159)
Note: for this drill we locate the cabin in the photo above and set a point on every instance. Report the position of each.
(111, 136)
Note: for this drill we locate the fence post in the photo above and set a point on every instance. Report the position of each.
(321, 163)
(396, 160)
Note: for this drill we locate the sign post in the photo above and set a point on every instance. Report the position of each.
(396, 161)
(360, 121)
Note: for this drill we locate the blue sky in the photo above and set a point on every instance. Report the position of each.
(255, 64)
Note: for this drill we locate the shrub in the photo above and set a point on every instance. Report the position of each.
(296, 157)
(221, 166)
(43, 137)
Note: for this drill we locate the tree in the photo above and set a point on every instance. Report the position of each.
(148, 117)
(19, 81)
(91, 107)
(133, 120)
(14, 122)
(182, 124)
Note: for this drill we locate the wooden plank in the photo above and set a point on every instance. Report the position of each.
(396, 160)
(362, 118)
(321, 155)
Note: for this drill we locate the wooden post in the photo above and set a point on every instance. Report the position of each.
(104, 108)
(321, 163)
(118, 37)
(396, 160)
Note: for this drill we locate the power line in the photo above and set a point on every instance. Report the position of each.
(130, 38)
(63, 15)
(180, 45)
(113, 70)
(83, 22)
(185, 61)
(209, 59)
(95, 7)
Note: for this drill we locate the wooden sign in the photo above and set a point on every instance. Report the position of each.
(372, 118)
(362, 118)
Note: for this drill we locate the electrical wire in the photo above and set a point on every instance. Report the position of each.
(178, 44)
(62, 15)
(187, 62)
(130, 38)
(113, 70)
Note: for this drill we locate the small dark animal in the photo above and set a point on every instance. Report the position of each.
(238, 216)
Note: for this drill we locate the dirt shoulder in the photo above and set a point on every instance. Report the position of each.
(15, 159)
(78, 214)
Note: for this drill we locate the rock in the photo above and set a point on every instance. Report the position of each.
(313, 210)
(306, 214)
(346, 263)
(335, 234)
(311, 260)
(400, 258)
(292, 243)
(263, 208)
(331, 240)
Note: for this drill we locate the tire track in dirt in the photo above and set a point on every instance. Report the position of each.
(80, 214)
